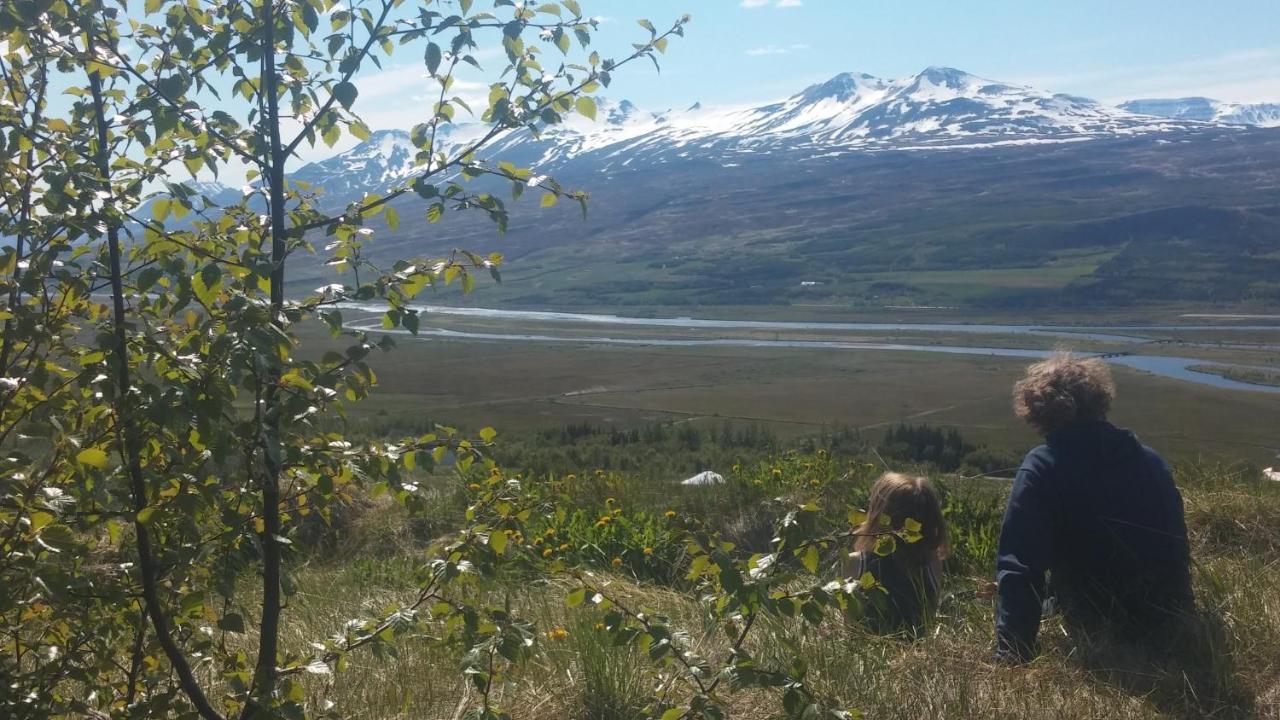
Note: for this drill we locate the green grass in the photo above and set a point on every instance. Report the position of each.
(1227, 668)
(521, 387)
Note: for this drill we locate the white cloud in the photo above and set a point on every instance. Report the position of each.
(750, 4)
(754, 3)
(790, 3)
(777, 49)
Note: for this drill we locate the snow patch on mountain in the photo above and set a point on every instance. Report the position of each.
(1208, 110)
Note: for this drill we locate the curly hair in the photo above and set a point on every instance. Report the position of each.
(1063, 390)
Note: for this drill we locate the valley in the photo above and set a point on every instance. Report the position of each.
(528, 371)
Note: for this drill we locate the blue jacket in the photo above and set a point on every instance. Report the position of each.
(1098, 511)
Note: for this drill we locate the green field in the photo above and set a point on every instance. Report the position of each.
(521, 386)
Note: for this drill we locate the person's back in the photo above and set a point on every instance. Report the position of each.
(1094, 508)
(907, 596)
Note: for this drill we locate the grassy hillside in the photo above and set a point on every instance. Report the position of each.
(1229, 669)
(1113, 223)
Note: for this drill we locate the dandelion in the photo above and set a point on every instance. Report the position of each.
(557, 634)
(648, 551)
(474, 486)
(616, 562)
(670, 514)
(777, 472)
(564, 547)
(546, 552)
(599, 626)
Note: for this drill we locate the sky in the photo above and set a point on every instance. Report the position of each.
(750, 52)
(745, 52)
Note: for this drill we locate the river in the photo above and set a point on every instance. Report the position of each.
(1172, 367)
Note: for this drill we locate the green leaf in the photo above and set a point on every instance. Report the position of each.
(586, 106)
(93, 457)
(145, 514)
(488, 434)
(810, 559)
(433, 58)
(160, 209)
(346, 93)
(232, 623)
(498, 541)
(548, 200)
(575, 597)
(673, 714)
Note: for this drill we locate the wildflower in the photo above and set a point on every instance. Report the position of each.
(474, 486)
(648, 551)
(670, 514)
(570, 477)
(564, 546)
(599, 626)
(777, 472)
(616, 562)
(546, 552)
(737, 468)
(551, 532)
(557, 634)
(609, 501)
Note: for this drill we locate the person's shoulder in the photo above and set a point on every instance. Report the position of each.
(1154, 460)
(1039, 460)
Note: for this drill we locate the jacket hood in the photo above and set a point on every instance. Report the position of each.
(1099, 441)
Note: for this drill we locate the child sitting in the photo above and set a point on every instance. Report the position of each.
(909, 577)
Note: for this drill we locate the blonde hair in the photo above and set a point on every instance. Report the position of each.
(1062, 390)
(898, 497)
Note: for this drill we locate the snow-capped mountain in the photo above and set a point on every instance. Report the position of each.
(939, 108)
(1209, 110)
(387, 156)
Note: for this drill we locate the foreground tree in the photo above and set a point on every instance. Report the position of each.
(162, 447)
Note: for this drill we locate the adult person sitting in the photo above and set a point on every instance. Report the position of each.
(1095, 509)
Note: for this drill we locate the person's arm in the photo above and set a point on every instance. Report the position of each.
(1023, 558)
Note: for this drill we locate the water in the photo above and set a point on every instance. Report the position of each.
(1178, 368)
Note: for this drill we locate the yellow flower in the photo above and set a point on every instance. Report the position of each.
(648, 551)
(759, 483)
(609, 501)
(814, 483)
(474, 486)
(777, 472)
(546, 552)
(670, 514)
(564, 547)
(599, 626)
(617, 562)
(551, 532)
(557, 634)
(737, 468)
(570, 477)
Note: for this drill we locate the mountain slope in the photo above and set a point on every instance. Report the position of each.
(1208, 110)
(937, 108)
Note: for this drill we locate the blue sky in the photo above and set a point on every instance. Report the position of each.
(740, 51)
